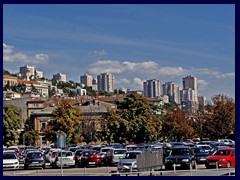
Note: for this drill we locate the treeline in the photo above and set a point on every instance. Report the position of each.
(133, 121)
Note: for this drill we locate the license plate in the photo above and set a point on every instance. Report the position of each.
(177, 165)
(66, 159)
(35, 162)
(213, 163)
(91, 163)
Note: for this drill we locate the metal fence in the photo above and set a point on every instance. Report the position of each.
(195, 172)
(149, 160)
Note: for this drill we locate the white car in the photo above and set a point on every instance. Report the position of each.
(10, 161)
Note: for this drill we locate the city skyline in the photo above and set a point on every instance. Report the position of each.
(135, 43)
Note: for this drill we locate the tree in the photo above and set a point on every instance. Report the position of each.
(133, 122)
(220, 119)
(66, 120)
(176, 127)
(11, 123)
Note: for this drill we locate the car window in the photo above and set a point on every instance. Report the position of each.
(180, 152)
(119, 151)
(35, 155)
(9, 156)
(131, 155)
(222, 152)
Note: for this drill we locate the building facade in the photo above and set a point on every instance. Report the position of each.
(87, 80)
(172, 91)
(151, 88)
(106, 82)
(60, 77)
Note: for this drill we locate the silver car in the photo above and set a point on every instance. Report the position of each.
(129, 161)
(64, 158)
(113, 155)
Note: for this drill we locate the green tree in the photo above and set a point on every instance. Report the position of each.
(30, 136)
(133, 121)
(66, 120)
(11, 123)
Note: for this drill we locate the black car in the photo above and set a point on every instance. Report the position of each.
(182, 157)
(200, 155)
(35, 159)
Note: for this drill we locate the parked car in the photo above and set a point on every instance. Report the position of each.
(205, 147)
(223, 157)
(78, 154)
(10, 161)
(35, 159)
(113, 155)
(129, 161)
(90, 157)
(227, 142)
(64, 158)
(103, 152)
(200, 155)
(181, 157)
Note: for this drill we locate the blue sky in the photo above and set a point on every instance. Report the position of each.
(134, 42)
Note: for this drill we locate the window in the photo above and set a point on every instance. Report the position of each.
(43, 125)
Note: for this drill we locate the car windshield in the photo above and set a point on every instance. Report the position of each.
(180, 152)
(222, 153)
(131, 155)
(65, 154)
(35, 155)
(198, 150)
(119, 151)
(9, 156)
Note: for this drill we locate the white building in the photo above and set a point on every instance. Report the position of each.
(87, 80)
(151, 88)
(105, 82)
(60, 77)
(172, 91)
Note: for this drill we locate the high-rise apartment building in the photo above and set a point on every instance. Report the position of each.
(190, 82)
(172, 91)
(189, 94)
(60, 77)
(86, 80)
(151, 88)
(105, 82)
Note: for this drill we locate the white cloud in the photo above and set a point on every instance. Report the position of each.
(202, 84)
(137, 83)
(99, 53)
(9, 56)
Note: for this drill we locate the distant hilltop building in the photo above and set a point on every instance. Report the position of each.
(60, 77)
(105, 82)
(28, 72)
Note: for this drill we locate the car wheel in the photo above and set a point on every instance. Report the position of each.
(44, 166)
(228, 164)
(25, 167)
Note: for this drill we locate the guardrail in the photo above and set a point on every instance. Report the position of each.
(191, 172)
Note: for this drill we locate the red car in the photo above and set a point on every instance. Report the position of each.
(90, 157)
(222, 158)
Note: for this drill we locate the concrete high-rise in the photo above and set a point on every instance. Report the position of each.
(189, 94)
(190, 82)
(86, 80)
(151, 88)
(105, 82)
(172, 91)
